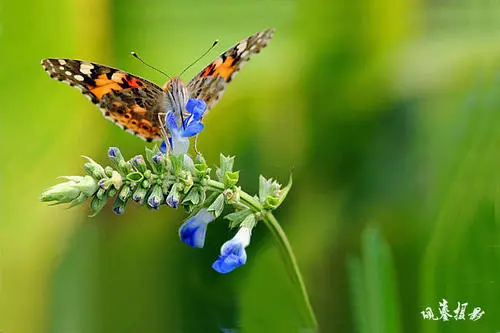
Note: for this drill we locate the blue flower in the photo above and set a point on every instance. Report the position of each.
(232, 252)
(114, 152)
(190, 127)
(193, 231)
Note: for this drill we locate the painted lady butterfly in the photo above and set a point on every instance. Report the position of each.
(135, 104)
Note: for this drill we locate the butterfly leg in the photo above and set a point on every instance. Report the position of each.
(195, 145)
(163, 131)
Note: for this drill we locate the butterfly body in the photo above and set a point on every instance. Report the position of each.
(136, 104)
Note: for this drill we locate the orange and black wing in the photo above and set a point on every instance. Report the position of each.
(133, 103)
(209, 84)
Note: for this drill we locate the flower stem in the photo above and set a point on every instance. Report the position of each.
(292, 267)
(285, 250)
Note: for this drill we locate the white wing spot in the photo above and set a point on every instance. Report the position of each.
(61, 68)
(86, 67)
(68, 73)
(62, 62)
(242, 46)
(79, 77)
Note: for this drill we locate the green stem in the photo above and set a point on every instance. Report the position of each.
(292, 266)
(285, 250)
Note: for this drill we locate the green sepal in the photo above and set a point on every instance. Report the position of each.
(146, 183)
(149, 157)
(135, 177)
(93, 168)
(80, 199)
(111, 192)
(231, 178)
(217, 206)
(271, 195)
(101, 194)
(97, 205)
(237, 218)
(249, 222)
(177, 162)
(186, 178)
(271, 203)
(286, 189)
(201, 169)
(192, 198)
(125, 193)
(76, 190)
(226, 165)
(108, 171)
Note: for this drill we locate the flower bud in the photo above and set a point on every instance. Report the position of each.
(125, 193)
(139, 164)
(75, 190)
(173, 196)
(93, 168)
(156, 197)
(119, 206)
(139, 195)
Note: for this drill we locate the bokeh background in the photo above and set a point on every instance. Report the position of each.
(387, 110)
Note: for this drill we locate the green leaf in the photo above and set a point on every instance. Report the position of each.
(373, 287)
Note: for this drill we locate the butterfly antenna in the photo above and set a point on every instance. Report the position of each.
(204, 54)
(156, 69)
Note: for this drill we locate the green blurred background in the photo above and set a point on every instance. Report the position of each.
(387, 110)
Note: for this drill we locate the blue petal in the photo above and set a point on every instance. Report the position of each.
(171, 122)
(119, 210)
(193, 129)
(158, 158)
(113, 152)
(172, 201)
(196, 107)
(193, 231)
(163, 147)
(233, 255)
(153, 202)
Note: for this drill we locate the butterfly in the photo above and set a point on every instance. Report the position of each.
(136, 104)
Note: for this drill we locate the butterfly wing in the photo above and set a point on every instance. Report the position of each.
(133, 103)
(209, 84)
